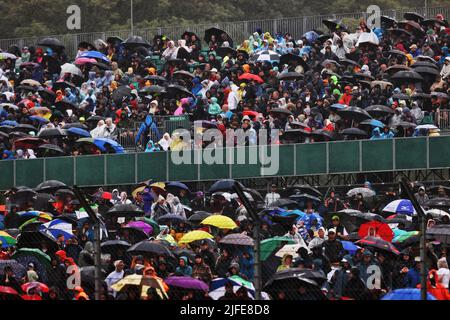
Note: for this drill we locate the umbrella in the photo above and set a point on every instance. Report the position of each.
(39, 119)
(35, 285)
(184, 73)
(199, 216)
(6, 240)
(6, 55)
(290, 59)
(18, 269)
(438, 203)
(31, 82)
(224, 51)
(173, 90)
(136, 41)
(411, 26)
(221, 222)
(424, 71)
(266, 56)
(56, 228)
(224, 185)
(379, 110)
(94, 55)
(63, 85)
(171, 219)
(429, 64)
(149, 247)
(8, 291)
(121, 94)
(125, 210)
(366, 192)
(439, 233)
(113, 246)
(378, 244)
(305, 197)
(437, 213)
(11, 123)
(217, 287)
(195, 236)
(376, 229)
(350, 247)
(156, 78)
(354, 113)
(72, 69)
(290, 76)
(104, 145)
(409, 294)
(354, 132)
(51, 133)
(216, 32)
(25, 128)
(78, 132)
(269, 246)
(353, 219)
(407, 239)
(186, 283)
(405, 124)
(414, 16)
(176, 186)
(114, 40)
(334, 24)
(373, 123)
(251, 77)
(51, 43)
(281, 111)
(407, 76)
(311, 36)
(75, 125)
(401, 206)
(141, 225)
(51, 148)
(143, 283)
(238, 240)
(83, 61)
(306, 189)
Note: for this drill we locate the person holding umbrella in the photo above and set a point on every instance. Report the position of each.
(201, 270)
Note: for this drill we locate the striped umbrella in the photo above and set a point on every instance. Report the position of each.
(401, 206)
(267, 55)
(42, 216)
(378, 244)
(56, 228)
(6, 240)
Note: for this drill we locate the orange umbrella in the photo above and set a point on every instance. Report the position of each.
(251, 76)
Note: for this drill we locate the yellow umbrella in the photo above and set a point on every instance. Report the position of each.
(195, 236)
(144, 282)
(159, 185)
(138, 190)
(221, 222)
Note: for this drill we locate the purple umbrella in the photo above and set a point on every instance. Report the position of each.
(148, 229)
(186, 283)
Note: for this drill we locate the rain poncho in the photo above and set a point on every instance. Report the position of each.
(214, 108)
(376, 134)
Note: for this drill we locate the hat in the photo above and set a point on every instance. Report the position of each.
(246, 118)
(413, 46)
(214, 70)
(422, 188)
(31, 265)
(336, 218)
(332, 230)
(155, 102)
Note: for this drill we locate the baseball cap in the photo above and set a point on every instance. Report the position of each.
(336, 218)
(214, 70)
(332, 230)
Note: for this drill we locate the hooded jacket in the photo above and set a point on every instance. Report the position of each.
(376, 134)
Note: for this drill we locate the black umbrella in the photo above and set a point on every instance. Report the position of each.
(281, 111)
(285, 204)
(354, 113)
(149, 247)
(306, 189)
(183, 73)
(439, 233)
(50, 185)
(25, 128)
(354, 132)
(95, 119)
(75, 125)
(334, 24)
(324, 135)
(156, 78)
(433, 22)
(136, 41)
(152, 90)
(87, 275)
(224, 185)
(63, 85)
(43, 201)
(112, 246)
(114, 40)
(400, 96)
(50, 149)
(353, 219)
(424, 64)
(22, 195)
(405, 124)
(438, 203)
(18, 269)
(121, 94)
(224, 51)
(217, 33)
(47, 95)
(396, 68)
(34, 240)
(421, 96)
(199, 216)
(388, 22)
(414, 16)
(290, 76)
(183, 54)
(413, 26)
(51, 133)
(125, 210)
(64, 105)
(290, 59)
(408, 76)
(303, 198)
(51, 43)
(169, 219)
(425, 71)
(174, 90)
(379, 110)
(378, 243)
(349, 62)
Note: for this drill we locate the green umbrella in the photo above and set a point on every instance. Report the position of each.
(243, 283)
(405, 236)
(153, 223)
(41, 256)
(272, 245)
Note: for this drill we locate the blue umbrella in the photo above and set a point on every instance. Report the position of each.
(101, 143)
(299, 213)
(401, 206)
(338, 106)
(406, 294)
(374, 123)
(177, 185)
(56, 228)
(39, 119)
(350, 247)
(11, 123)
(309, 218)
(311, 36)
(94, 55)
(79, 132)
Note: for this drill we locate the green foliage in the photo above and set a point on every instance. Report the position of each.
(42, 17)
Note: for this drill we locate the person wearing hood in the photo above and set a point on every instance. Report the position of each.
(356, 288)
(165, 142)
(445, 72)
(421, 196)
(286, 262)
(171, 51)
(86, 257)
(214, 108)
(376, 134)
(341, 277)
(183, 269)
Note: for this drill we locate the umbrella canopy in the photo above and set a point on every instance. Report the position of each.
(354, 113)
(57, 228)
(136, 41)
(378, 243)
(141, 225)
(94, 55)
(438, 203)
(186, 283)
(290, 76)
(8, 291)
(78, 132)
(176, 186)
(149, 247)
(266, 56)
(292, 59)
(199, 216)
(238, 240)
(224, 51)
(143, 282)
(354, 132)
(104, 145)
(174, 90)
(171, 219)
(407, 76)
(334, 24)
(125, 210)
(18, 269)
(71, 69)
(439, 233)
(251, 77)
(6, 240)
(401, 206)
(51, 133)
(409, 294)
(221, 222)
(196, 235)
(50, 149)
(379, 110)
(216, 32)
(366, 192)
(269, 246)
(121, 94)
(376, 229)
(280, 111)
(113, 246)
(224, 185)
(51, 43)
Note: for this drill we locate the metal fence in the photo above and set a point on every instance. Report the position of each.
(238, 30)
(444, 120)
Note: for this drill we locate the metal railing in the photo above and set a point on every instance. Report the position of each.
(238, 31)
(444, 119)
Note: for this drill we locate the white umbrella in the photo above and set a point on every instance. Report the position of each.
(368, 37)
(247, 195)
(291, 249)
(6, 55)
(436, 213)
(427, 127)
(71, 68)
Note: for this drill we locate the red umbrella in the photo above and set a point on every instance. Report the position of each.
(251, 76)
(35, 285)
(34, 297)
(8, 290)
(107, 195)
(252, 114)
(376, 229)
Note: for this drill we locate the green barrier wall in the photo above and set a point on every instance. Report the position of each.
(294, 160)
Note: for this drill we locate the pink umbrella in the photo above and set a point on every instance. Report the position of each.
(141, 226)
(82, 61)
